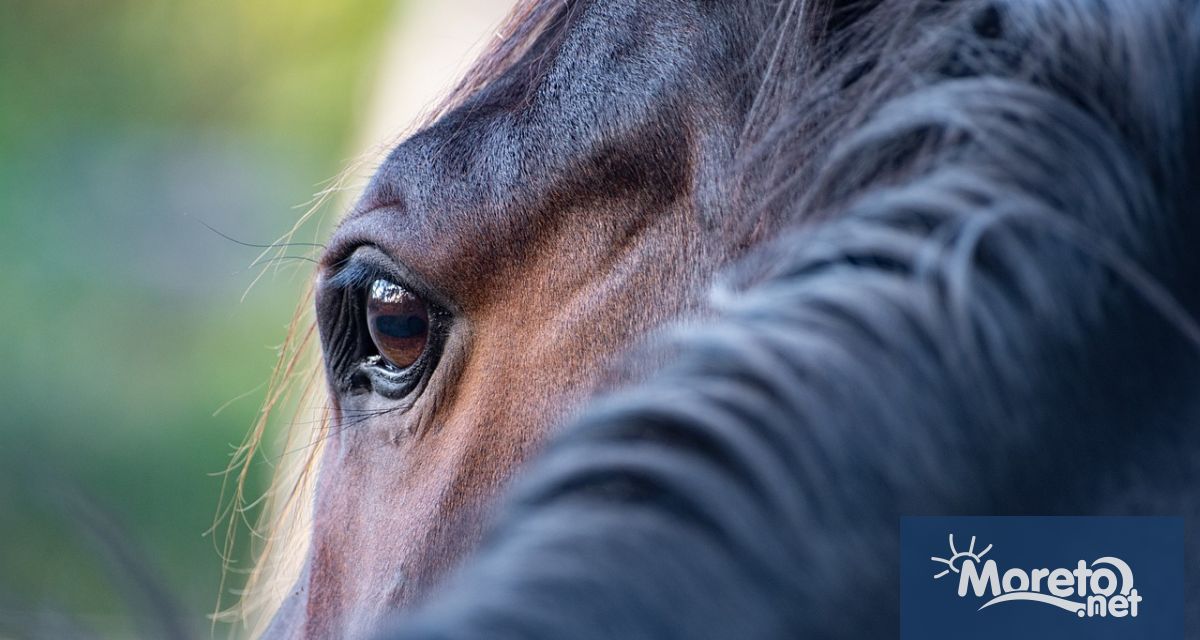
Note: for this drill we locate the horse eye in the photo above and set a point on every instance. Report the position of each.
(398, 322)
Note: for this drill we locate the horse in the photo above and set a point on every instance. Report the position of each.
(676, 307)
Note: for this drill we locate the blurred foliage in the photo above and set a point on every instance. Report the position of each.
(273, 69)
(124, 124)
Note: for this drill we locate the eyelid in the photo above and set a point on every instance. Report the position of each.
(367, 263)
(359, 273)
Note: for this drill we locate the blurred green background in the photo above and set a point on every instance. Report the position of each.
(124, 124)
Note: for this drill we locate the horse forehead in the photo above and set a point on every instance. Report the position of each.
(626, 70)
(631, 49)
(609, 114)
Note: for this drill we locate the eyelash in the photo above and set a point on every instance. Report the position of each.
(357, 275)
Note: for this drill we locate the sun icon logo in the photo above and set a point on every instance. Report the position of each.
(958, 557)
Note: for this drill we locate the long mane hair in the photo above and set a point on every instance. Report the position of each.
(986, 274)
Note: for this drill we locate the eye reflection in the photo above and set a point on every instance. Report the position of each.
(398, 322)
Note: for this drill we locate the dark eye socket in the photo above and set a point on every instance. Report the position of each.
(398, 322)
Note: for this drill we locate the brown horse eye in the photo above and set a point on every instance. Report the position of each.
(398, 322)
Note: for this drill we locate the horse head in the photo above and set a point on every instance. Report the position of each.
(497, 266)
(963, 241)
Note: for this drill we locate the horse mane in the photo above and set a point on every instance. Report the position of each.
(982, 301)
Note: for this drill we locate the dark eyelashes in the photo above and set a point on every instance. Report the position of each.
(346, 335)
(357, 275)
(356, 271)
